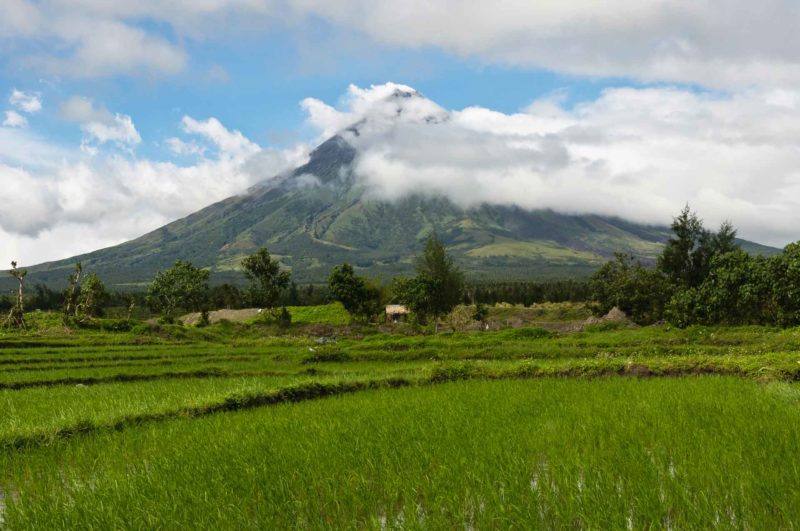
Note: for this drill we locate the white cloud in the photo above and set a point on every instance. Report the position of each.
(716, 43)
(99, 124)
(229, 143)
(180, 147)
(635, 153)
(61, 203)
(29, 103)
(720, 43)
(14, 119)
(640, 154)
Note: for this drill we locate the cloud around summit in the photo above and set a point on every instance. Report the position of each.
(639, 154)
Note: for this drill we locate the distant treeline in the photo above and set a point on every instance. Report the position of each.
(528, 293)
(223, 296)
(232, 297)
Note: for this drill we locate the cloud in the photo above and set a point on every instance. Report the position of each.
(98, 123)
(14, 119)
(715, 43)
(29, 103)
(229, 143)
(62, 202)
(639, 154)
(183, 148)
(636, 153)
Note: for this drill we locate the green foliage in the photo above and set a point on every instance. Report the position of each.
(528, 293)
(684, 258)
(267, 280)
(481, 312)
(736, 291)
(359, 297)
(71, 294)
(181, 286)
(284, 318)
(687, 256)
(704, 278)
(785, 281)
(528, 333)
(91, 298)
(438, 286)
(626, 284)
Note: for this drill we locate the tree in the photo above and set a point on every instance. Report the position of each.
(687, 255)
(361, 299)
(226, 296)
(784, 273)
(626, 284)
(266, 278)
(181, 286)
(71, 295)
(724, 241)
(16, 318)
(683, 258)
(91, 298)
(438, 286)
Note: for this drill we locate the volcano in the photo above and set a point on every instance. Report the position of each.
(322, 214)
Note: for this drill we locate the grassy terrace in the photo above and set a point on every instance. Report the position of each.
(240, 425)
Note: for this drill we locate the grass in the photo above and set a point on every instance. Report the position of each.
(680, 453)
(242, 425)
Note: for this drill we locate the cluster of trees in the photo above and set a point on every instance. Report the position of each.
(185, 287)
(83, 299)
(433, 292)
(703, 277)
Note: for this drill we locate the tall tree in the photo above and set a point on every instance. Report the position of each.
(16, 318)
(684, 254)
(687, 256)
(267, 280)
(438, 286)
(181, 286)
(71, 295)
(357, 295)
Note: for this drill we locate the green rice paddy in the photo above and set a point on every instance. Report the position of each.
(238, 426)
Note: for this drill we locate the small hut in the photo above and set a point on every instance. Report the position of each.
(396, 313)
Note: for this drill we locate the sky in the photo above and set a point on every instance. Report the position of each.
(119, 117)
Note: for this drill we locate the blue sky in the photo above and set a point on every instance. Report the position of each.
(150, 111)
(257, 86)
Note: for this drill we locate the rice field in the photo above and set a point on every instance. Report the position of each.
(240, 427)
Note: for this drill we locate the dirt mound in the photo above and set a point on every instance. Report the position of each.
(615, 314)
(216, 316)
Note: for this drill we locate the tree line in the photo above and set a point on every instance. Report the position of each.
(703, 277)
(437, 286)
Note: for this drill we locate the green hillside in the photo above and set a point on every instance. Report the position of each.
(314, 223)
